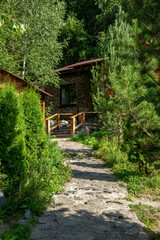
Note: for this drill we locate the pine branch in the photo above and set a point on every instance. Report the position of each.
(144, 130)
(153, 79)
(148, 28)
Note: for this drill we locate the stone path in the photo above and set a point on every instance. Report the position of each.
(92, 207)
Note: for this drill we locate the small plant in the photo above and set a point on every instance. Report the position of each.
(92, 140)
(145, 214)
(17, 232)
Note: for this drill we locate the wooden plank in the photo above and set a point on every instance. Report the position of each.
(79, 125)
(52, 116)
(65, 114)
(76, 115)
(55, 126)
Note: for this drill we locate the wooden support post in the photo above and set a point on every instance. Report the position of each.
(48, 126)
(83, 116)
(43, 107)
(72, 126)
(58, 121)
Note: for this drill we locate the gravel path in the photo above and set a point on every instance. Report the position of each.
(92, 207)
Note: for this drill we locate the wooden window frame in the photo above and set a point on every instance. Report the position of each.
(67, 105)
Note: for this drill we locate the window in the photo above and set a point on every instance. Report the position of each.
(68, 95)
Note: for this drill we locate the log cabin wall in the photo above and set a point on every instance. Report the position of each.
(81, 79)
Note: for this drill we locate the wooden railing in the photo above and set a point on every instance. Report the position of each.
(57, 125)
(81, 122)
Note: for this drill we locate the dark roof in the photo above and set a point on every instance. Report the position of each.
(79, 64)
(27, 83)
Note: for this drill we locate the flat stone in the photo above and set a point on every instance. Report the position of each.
(23, 222)
(3, 198)
(28, 214)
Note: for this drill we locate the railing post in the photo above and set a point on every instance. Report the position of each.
(72, 126)
(83, 117)
(48, 126)
(58, 121)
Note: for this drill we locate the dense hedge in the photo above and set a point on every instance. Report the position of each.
(32, 164)
(12, 138)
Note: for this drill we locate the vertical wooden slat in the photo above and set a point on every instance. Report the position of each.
(83, 114)
(81, 117)
(72, 126)
(43, 105)
(48, 126)
(58, 121)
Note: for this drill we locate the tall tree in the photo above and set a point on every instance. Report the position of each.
(39, 49)
(134, 110)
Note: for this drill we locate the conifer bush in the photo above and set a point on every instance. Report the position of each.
(12, 139)
(46, 171)
(32, 164)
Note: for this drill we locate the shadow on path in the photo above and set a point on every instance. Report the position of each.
(93, 176)
(61, 224)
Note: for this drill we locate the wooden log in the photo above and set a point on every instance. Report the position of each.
(72, 126)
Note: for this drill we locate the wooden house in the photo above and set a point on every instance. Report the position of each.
(20, 84)
(74, 94)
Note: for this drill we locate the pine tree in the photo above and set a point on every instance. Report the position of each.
(130, 115)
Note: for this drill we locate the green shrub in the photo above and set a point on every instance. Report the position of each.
(110, 153)
(43, 157)
(17, 232)
(12, 139)
(92, 140)
(31, 165)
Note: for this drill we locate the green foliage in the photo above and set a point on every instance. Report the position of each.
(12, 139)
(132, 114)
(92, 140)
(36, 52)
(145, 214)
(17, 232)
(32, 164)
(76, 39)
(44, 159)
(109, 151)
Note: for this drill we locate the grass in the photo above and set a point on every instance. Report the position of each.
(92, 140)
(17, 232)
(146, 214)
(150, 216)
(71, 155)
